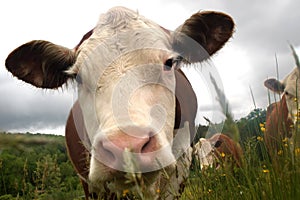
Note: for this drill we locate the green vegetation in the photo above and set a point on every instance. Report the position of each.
(36, 167)
(258, 178)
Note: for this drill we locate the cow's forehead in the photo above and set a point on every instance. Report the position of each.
(292, 81)
(129, 31)
(118, 32)
(119, 18)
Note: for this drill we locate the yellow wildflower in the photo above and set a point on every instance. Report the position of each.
(297, 115)
(265, 171)
(297, 151)
(285, 140)
(158, 190)
(223, 154)
(261, 125)
(259, 138)
(280, 152)
(295, 99)
(125, 192)
(263, 129)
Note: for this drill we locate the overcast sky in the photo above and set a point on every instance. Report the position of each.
(263, 29)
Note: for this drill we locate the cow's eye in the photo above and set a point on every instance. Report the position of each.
(288, 95)
(218, 144)
(172, 63)
(78, 79)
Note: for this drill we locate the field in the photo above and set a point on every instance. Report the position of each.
(35, 166)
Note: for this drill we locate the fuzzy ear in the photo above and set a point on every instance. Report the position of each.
(41, 63)
(274, 85)
(209, 29)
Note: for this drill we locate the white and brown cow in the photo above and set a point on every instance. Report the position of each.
(135, 111)
(282, 116)
(218, 150)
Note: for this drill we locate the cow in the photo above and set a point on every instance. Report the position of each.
(282, 116)
(129, 132)
(218, 151)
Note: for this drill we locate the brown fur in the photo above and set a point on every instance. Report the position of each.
(186, 103)
(227, 150)
(41, 63)
(209, 29)
(278, 126)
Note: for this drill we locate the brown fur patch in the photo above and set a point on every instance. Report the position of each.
(41, 63)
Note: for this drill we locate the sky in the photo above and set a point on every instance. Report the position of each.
(262, 34)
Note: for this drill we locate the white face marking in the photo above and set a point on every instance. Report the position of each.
(204, 153)
(292, 93)
(125, 85)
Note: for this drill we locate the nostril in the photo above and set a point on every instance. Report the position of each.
(106, 153)
(149, 146)
(145, 146)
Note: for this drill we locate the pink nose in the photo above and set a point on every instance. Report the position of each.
(111, 150)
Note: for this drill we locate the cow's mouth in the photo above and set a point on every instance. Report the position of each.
(124, 184)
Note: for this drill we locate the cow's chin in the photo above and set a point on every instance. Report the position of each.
(104, 180)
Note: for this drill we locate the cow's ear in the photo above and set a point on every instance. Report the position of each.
(274, 85)
(41, 63)
(209, 30)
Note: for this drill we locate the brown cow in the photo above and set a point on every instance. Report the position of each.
(280, 117)
(218, 150)
(131, 127)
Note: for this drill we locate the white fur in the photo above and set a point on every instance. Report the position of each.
(204, 153)
(292, 87)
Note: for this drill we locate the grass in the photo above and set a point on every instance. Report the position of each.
(256, 179)
(260, 176)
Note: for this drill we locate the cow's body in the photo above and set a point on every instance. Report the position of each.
(132, 125)
(278, 126)
(218, 150)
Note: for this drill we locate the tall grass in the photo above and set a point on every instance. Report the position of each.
(258, 178)
(261, 176)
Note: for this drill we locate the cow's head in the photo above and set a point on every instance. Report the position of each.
(218, 150)
(290, 88)
(127, 69)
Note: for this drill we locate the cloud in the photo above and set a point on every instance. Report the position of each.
(262, 30)
(26, 108)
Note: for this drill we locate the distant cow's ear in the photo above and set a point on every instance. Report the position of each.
(209, 29)
(41, 63)
(274, 85)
